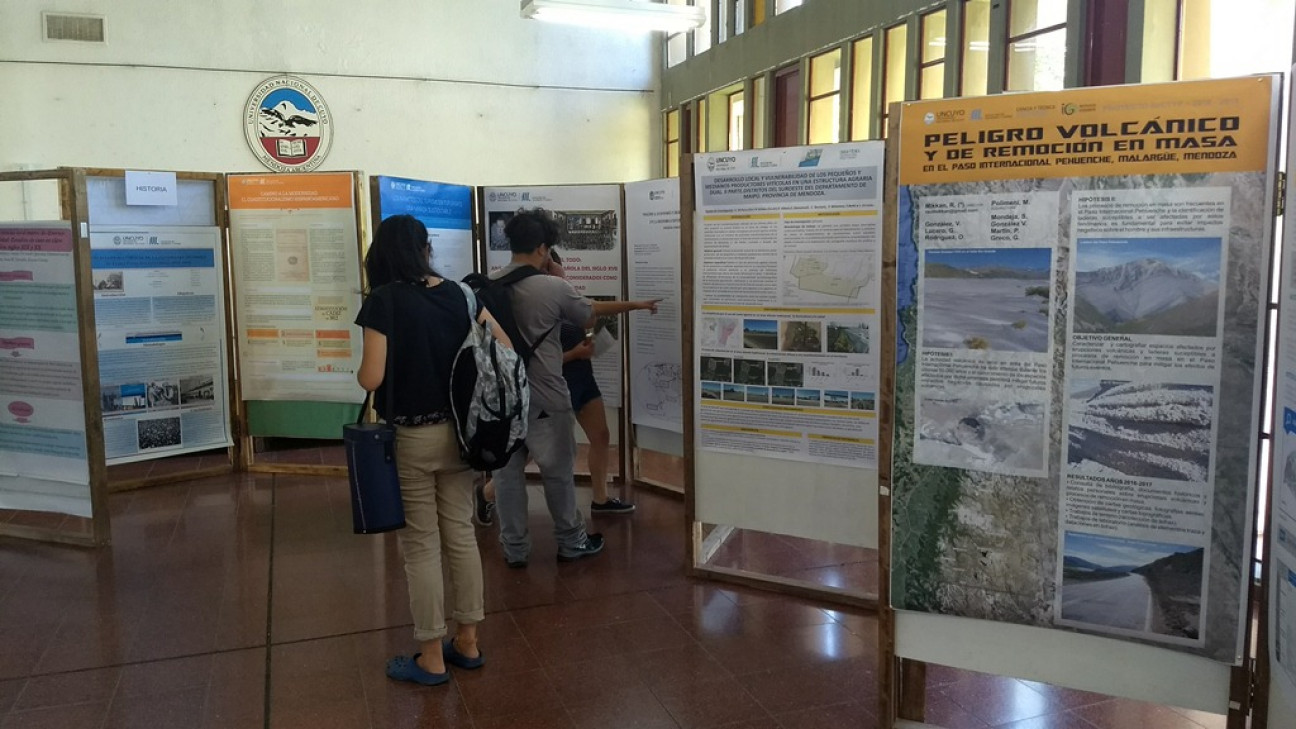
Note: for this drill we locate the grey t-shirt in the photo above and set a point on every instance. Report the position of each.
(540, 303)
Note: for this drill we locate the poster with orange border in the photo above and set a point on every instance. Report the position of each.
(1081, 278)
(296, 268)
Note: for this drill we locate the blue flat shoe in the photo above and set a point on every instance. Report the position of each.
(406, 668)
(459, 660)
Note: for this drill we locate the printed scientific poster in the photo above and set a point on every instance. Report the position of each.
(789, 268)
(296, 267)
(43, 461)
(445, 209)
(1081, 278)
(653, 243)
(160, 316)
(589, 220)
(1281, 547)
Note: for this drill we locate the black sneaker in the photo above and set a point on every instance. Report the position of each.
(611, 506)
(517, 564)
(483, 510)
(592, 545)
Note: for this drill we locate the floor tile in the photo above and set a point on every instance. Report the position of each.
(709, 703)
(635, 708)
(74, 716)
(68, 688)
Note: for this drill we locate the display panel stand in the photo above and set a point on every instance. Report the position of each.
(62, 525)
(494, 206)
(1088, 662)
(313, 427)
(652, 265)
(203, 204)
(728, 493)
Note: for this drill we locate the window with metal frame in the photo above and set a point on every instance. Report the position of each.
(1036, 46)
(895, 51)
(976, 48)
(824, 103)
(931, 55)
(862, 89)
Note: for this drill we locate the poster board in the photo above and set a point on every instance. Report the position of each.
(161, 297)
(1281, 551)
(51, 431)
(654, 369)
(298, 348)
(590, 220)
(591, 226)
(1137, 223)
(446, 210)
(783, 275)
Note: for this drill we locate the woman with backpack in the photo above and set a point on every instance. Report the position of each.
(414, 323)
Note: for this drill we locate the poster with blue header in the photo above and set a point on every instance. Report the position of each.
(445, 209)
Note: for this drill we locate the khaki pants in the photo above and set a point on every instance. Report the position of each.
(436, 488)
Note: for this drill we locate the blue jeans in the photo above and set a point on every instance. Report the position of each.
(552, 443)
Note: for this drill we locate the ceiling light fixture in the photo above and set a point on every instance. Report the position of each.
(638, 15)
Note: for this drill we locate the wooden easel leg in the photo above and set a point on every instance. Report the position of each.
(913, 690)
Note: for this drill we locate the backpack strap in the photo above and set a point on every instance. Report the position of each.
(470, 298)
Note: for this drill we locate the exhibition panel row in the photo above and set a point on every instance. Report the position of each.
(1016, 354)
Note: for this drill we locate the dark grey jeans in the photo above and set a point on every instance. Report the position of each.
(551, 442)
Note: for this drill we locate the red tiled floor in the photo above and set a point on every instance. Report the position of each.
(206, 585)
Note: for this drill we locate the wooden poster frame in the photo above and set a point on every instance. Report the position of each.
(221, 221)
(902, 681)
(72, 198)
(481, 242)
(700, 545)
(249, 462)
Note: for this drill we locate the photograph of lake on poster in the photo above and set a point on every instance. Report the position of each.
(760, 334)
(992, 298)
(711, 390)
(1166, 286)
(1142, 429)
(758, 394)
(1131, 584)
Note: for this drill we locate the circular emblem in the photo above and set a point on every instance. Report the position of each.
(288, 125)
(710, 163)
(491, 196)
(929, 118)
(1068, 109)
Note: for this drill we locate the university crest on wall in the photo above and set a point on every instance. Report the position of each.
(288, 125)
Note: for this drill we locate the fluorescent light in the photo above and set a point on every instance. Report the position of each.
(619, 14)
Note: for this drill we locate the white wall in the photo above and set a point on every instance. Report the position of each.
(455, 90)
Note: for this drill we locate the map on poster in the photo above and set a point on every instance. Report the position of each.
(1078, 327)
(789, 281)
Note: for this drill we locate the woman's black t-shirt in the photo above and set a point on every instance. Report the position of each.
(424, 327)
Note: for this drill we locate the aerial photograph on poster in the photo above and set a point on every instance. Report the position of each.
(848, 337)
(801, 336)
(716, 369)
(749, 371)
(981, 432)
(1166, 286)
(1131, 584)
(786, 374)
(1144, 429)
(783, 395)
(758, 394)
(1010, 287)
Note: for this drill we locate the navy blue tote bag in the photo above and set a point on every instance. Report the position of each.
(371, 468)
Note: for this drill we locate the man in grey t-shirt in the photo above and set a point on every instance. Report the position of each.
(540, 305)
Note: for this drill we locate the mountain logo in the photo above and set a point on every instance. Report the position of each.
(288, 125)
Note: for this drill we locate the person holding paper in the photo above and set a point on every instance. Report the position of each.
(586, 400)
